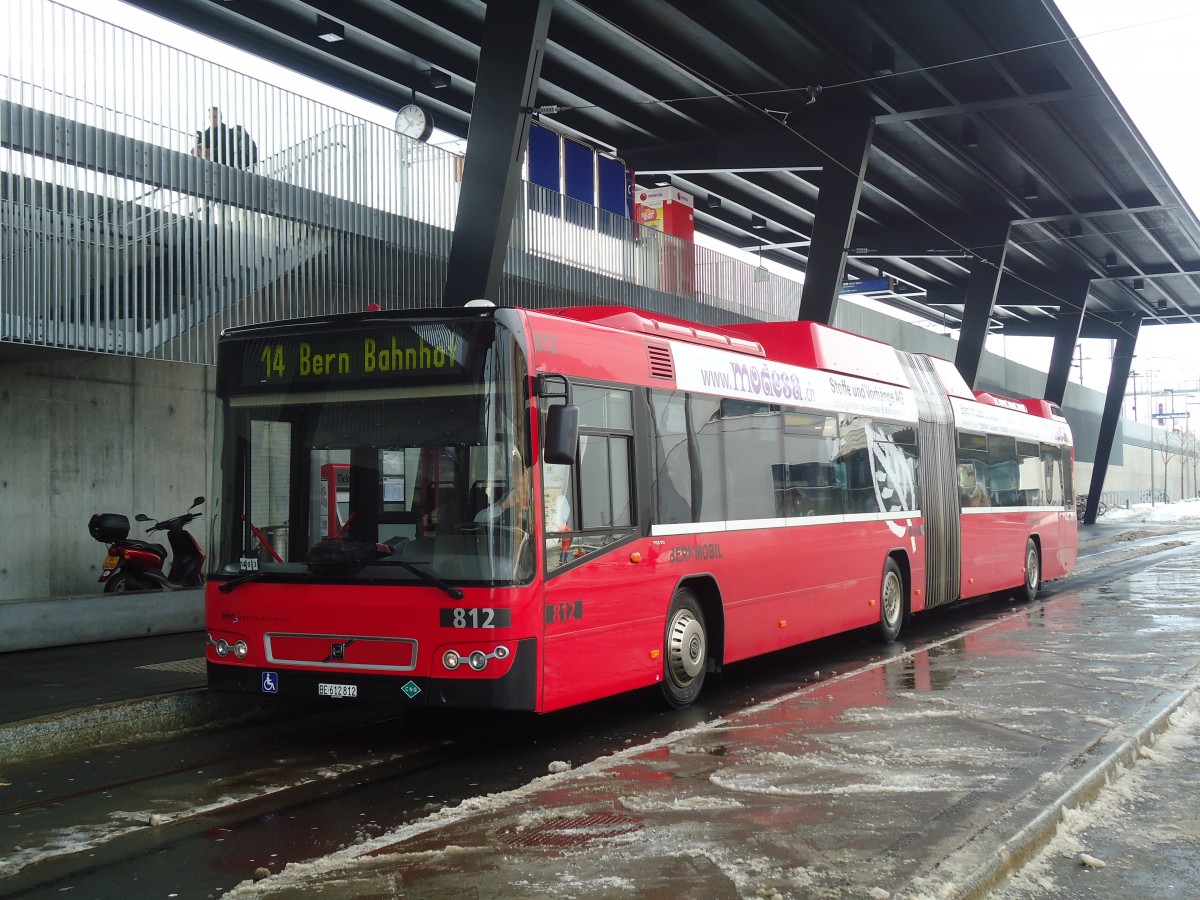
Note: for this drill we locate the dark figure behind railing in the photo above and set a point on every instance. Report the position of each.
(225, 145)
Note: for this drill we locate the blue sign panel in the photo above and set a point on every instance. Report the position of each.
(611, 186)
(579, 181)
(545, 170)
(866, 285)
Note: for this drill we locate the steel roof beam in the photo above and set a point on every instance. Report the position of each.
(959, 109)
(837, 206)
(982, 287)
(1068, 321)
(510, 62)
(1114, 401)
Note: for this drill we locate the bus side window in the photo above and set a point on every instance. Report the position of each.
(810, 482)
(605, 472)
(854, 458)
(1052, 466)
(604, 481)
(675, 451)
(971, 488)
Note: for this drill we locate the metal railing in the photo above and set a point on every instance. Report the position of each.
(118, 236)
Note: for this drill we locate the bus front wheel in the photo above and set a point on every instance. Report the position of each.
(685, 652)
(891, 602)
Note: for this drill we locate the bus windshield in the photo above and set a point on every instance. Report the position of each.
(393, 452)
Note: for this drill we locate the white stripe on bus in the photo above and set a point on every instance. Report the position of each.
(686, 528)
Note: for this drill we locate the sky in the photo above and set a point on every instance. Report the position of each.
(1144, 51)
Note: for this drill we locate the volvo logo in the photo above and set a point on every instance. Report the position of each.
(338, 651)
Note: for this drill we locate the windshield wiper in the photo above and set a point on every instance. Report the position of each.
(341, 556)
(227, 586)
(232, 583)
(428, 577)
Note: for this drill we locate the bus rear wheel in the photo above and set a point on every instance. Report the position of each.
(891, 602)
(1028, 590)
(685, 651)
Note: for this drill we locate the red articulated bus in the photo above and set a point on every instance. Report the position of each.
(497, 507)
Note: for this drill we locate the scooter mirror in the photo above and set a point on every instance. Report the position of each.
(142, 517)
(196, 502)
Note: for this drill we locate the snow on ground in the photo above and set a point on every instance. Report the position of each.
(1163, 513)
(1113, 805)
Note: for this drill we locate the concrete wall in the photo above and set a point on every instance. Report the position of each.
(63, 621)
(82, 433)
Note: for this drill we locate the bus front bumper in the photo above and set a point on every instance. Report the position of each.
(516, 690)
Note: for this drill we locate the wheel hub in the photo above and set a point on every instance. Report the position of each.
(685, 648)
(891, 599)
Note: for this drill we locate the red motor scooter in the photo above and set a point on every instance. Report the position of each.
(133, 565)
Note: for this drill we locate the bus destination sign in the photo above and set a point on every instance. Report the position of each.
(387, 354)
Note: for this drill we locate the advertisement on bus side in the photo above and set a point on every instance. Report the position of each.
(713, 371)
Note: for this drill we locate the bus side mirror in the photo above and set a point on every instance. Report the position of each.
(562, 435)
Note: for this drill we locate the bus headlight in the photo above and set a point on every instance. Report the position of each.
(228, 645)
(477, 660)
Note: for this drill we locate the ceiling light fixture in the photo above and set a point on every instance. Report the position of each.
(713, 202)
(761, 275)
(1029, 190)
(330, 31)
(439, 79)
(883, 60)
(758, 223)
(970, 136)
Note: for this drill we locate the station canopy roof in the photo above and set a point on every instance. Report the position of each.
(984, 113)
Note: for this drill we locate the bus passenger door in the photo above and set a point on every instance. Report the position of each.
(601, 614)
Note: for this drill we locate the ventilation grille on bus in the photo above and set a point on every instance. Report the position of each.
(661, 365)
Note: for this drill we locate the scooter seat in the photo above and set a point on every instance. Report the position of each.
(146, 545)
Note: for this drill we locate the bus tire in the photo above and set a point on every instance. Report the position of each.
(1028, 590)
(891, 602)
(685, 650)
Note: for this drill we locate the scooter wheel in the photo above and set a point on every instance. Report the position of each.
(122, 583)
(117, 584)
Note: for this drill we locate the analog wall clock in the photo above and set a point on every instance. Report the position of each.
(415, 122)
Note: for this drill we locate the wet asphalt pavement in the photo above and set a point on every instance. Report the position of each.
(935, 772)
